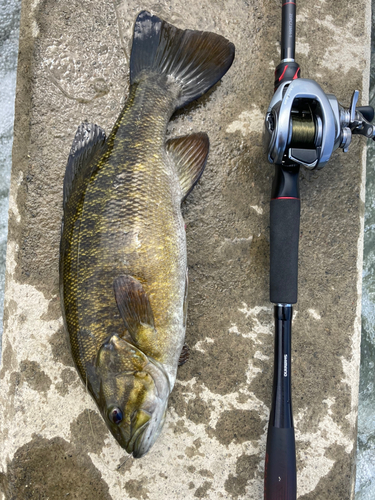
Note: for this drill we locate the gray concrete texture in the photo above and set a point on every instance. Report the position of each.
(54, 444)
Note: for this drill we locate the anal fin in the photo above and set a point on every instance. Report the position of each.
(185, 355)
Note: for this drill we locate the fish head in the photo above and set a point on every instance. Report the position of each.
(133, 395)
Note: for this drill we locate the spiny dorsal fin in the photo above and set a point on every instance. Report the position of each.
(88, 141)
(190, 155)
(196, 60)
(133, 304)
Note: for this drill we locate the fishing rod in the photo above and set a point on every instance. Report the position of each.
(303, 126)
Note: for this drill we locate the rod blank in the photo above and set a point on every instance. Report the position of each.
(288, 30)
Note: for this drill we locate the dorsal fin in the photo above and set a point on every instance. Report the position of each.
(189, 155)
(196, 60)
(88, 141)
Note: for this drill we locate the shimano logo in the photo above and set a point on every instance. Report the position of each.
(285, 365)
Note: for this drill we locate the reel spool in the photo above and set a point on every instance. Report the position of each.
(303, 130)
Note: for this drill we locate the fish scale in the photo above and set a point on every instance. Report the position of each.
(101, 242)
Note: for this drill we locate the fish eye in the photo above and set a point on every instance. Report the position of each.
(115, 415)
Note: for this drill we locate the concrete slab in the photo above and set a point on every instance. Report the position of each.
(72, 68)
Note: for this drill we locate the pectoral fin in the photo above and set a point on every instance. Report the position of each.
(135, 309)
(189, 155)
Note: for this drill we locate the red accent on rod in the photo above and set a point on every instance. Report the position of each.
(283, 73)
(286, 3)
(285, 198)
(296, 75)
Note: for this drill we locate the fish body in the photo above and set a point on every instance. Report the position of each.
(123, 264)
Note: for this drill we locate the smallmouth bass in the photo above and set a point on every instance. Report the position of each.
(123, 264)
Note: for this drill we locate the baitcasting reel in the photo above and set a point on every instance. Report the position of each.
(304, 125)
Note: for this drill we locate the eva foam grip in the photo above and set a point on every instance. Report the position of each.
(284, 236)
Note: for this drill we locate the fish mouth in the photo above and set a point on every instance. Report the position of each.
(134, 445)
(140, 420)
(145, 428)
(137, 450)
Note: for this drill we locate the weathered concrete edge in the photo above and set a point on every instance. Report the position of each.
(356, 345)
(19, 161)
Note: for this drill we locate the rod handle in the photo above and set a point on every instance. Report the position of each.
(280, 476)
(284, 236)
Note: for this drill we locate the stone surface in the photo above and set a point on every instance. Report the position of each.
(73, 67)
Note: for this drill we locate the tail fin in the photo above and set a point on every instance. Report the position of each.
(196, 59)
